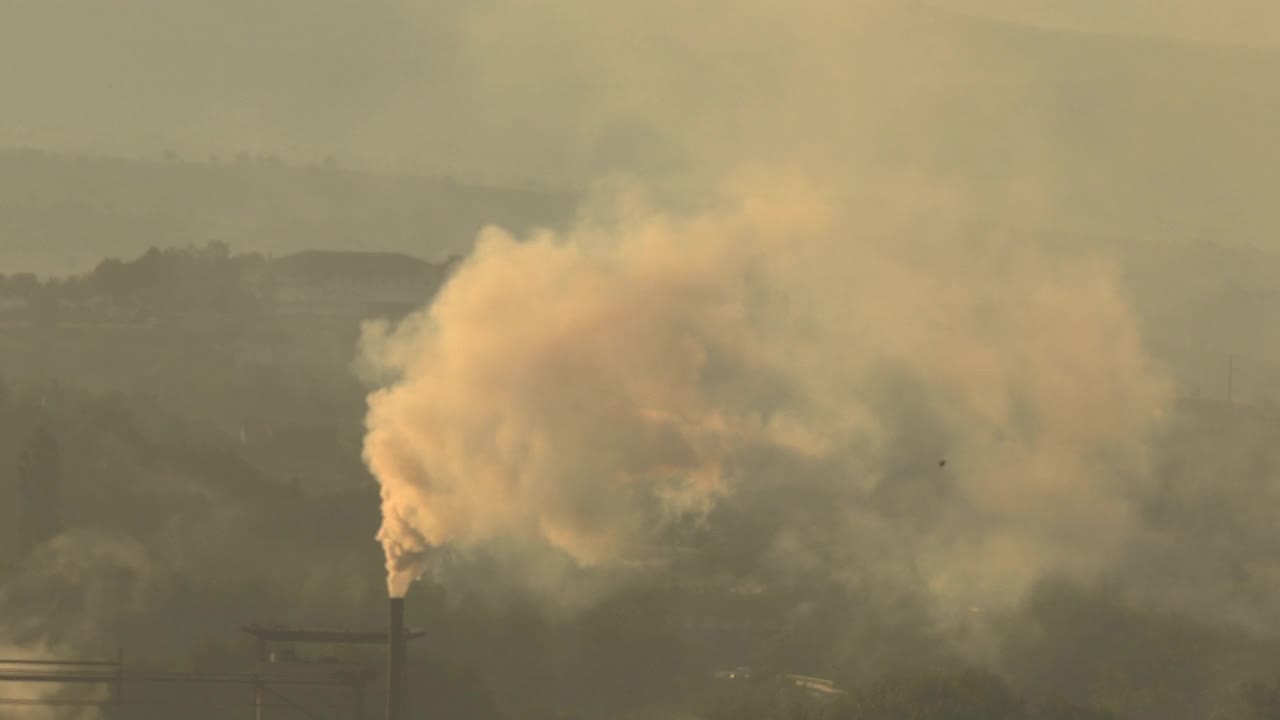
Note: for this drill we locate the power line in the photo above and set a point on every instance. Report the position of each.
(116, 676)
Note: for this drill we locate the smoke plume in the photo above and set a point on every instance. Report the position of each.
(819, 299)
(574, 392)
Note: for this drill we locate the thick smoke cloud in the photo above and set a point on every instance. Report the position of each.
(573, 393)
(824, 297)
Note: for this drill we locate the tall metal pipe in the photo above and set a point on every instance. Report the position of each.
(396, 642)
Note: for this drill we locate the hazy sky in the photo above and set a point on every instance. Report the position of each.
(503, 87)
(820, 302)
(1230, 22)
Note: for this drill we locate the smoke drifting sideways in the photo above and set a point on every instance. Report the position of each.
(570, 395)
(93, 578)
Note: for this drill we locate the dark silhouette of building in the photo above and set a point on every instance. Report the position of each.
(38, 487)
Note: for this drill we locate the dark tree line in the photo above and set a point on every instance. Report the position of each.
(159, 284)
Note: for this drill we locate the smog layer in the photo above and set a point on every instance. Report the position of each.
(921, 348)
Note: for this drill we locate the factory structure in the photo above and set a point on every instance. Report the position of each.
(115, 686)
(277, 652)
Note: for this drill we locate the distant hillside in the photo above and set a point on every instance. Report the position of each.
(61, 214)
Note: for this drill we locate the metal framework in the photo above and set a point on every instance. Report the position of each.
(266, 635)
(116, 675)
(323, 634)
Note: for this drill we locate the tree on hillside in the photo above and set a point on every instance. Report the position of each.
(203, 278)
(19, 285)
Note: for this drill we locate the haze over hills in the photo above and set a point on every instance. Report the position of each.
(1203, 294)
(898, 361)
(1155, 133)
(61, 214)
(1151, 136)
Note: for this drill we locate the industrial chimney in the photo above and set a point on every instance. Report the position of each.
(396, 644)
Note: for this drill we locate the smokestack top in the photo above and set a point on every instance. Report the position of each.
(395, 629)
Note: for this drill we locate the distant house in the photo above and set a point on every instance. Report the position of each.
(355, 284)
